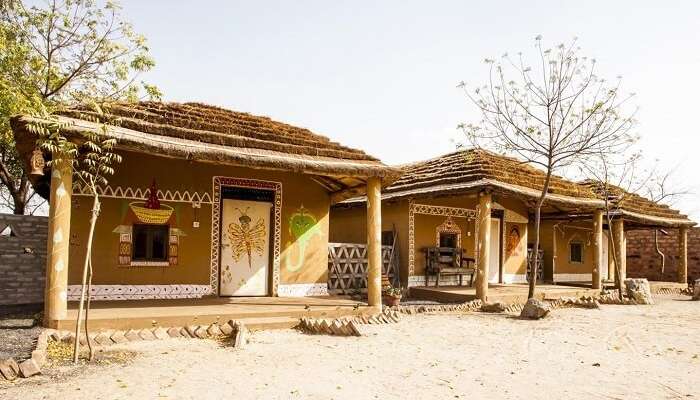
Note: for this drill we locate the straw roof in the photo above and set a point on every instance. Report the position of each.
(472, 170)
(205, 133)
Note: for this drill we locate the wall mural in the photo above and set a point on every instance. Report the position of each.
(245, 247)
(513, 243)
(246, 239)
(303, 228)
(149, 211)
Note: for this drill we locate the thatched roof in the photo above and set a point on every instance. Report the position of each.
(473, 170)
(200, 132)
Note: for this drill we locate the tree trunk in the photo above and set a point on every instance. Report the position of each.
(659, 252)
(86, 266)
(536, 263)
(536, 250)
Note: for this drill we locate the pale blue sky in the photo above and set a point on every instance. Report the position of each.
(382, 75)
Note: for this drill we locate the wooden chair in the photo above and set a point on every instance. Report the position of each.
(446, 261)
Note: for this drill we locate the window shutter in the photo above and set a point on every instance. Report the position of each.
(172, 251)
(125, 248)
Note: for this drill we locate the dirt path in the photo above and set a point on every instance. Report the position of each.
(618, 352)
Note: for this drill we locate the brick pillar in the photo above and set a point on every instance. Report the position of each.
(55, 300)
(482, 277)
(374, 243)
(683, 255)
(597, 249)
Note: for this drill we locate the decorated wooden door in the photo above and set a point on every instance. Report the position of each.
(245, 248)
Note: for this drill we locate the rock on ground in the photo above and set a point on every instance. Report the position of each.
(638, 289)
(696, 290)
(496, 307)
(535, 309)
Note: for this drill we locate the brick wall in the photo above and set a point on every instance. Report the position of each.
(22, 259)
(644, 262)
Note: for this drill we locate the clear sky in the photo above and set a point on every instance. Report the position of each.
(382, 75)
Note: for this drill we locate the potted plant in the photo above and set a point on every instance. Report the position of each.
(392, 296)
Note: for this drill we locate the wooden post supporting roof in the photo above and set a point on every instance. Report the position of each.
(620, 248)
(597, 249)
(374, 243)
(683, 255)
(56, 293)
(482, 277)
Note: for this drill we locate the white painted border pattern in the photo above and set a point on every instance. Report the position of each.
(140, 194)
(141, 292)
(302, 289)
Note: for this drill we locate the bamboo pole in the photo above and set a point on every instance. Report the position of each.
(374, 243)
(56, 292)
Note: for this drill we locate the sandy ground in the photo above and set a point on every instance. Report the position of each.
(617, 352)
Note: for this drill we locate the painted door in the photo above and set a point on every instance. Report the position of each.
(245, 248)
(495, 251)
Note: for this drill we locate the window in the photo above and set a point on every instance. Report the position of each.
(387, 238)
(150, 243)
(576, 252)
(448, 239)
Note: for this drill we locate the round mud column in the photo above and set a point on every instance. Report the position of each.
(597, 249)
(482, 277)
(374, 243)
(56, 293)
(620, 248)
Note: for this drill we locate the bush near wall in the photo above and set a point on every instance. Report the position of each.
(22, 258)
(644, 262)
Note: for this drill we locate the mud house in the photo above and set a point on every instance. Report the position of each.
(207, 202)
(482, 203)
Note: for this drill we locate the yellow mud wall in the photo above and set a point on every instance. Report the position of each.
(349, 225)
(194, 251)
(426, 227)
(559, 257)
(514, 235)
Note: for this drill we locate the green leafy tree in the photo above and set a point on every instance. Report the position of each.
(91, 157)
(62, 52)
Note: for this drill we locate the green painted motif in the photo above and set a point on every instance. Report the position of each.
(302, 227)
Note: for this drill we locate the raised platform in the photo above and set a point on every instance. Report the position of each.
(517, 292)
(256, 312)
(507, 293)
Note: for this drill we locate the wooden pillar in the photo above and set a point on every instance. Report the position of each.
(683, 255)
(619, 238)
(482, 277)
(610, 261)
(597, 249)
(56, 293)
(374, 243)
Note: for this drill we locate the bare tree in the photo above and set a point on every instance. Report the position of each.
(661, 189)
(551, 114)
